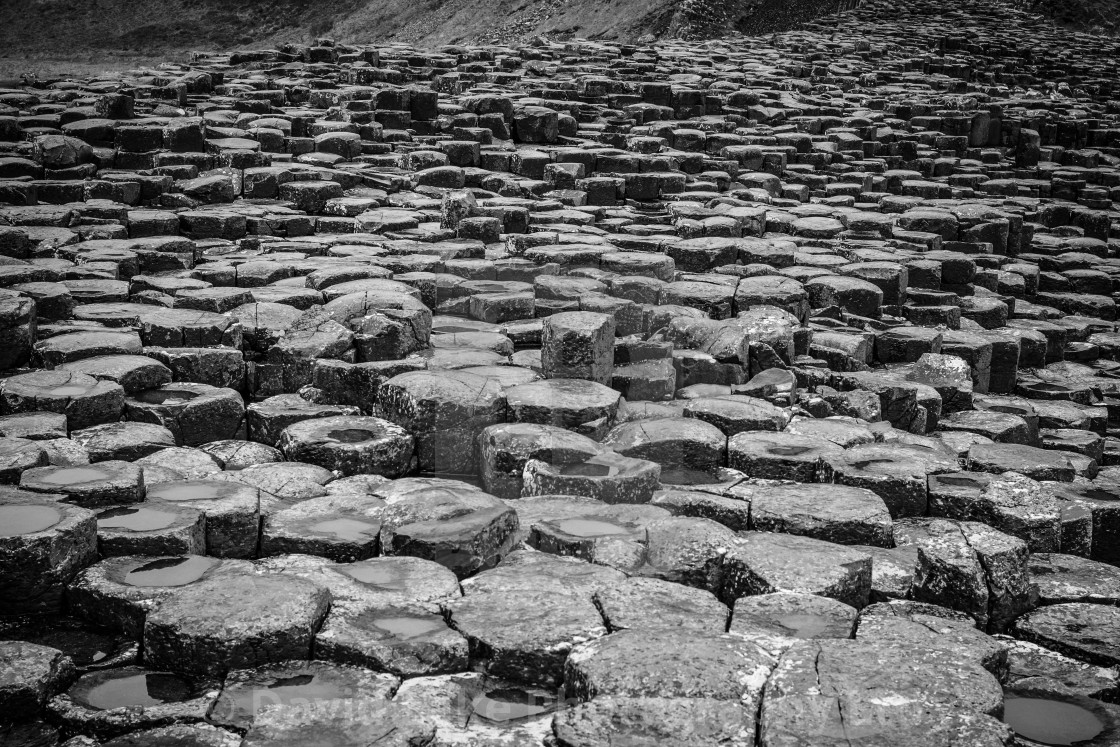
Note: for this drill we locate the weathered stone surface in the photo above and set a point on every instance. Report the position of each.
(447, 521)
(760, 563)
(247, 692)
(970, 567)
(347, 722)
(350, 445)
(44, 544)
(927, 625)
(113, 702)
(835, 513)
(649, 603)
(29, 675)
(792, 615)
(820, 689)
(118, 593)
(217, 625)
(667, 721)
(631, 663)
(343, 527)
(1082, 631)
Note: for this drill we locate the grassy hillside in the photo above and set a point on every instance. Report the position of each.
(70, 26)
(77, 36)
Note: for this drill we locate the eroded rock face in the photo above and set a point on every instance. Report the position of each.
(760, 392)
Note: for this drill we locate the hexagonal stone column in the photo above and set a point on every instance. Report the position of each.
(926, 696)
(43, 543)
(151, 528)
(1083, 631)
(790, 614)
(704, 665)
(89, 485)
(607, 476)
(760, 563)
(113, 702)
(195, 413)
(232, 509)
(445, 411)
(352, 445)
(236, 622)
(246, 692)
(834, 513)
(117, 593)
(267, 419)
(680, 445)
(578, 345)
(83, 399)
(31, 674)
(344, 528)
(585, 407)
(970, 567)
(450, 522)
(506, 449)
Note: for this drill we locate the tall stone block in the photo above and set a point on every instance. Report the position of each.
(578, 345)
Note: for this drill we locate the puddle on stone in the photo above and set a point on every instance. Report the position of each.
(166, 397)
(803, 625)
(685, 476)
(410, 627)
(588, 469)
(170, 571)
(509, 704)
(789, 450)
(865, 463)
(16, 520)
(299, 688)
(381, 577)
(1100, 494)
(1051, 722)
(188, 492)
(144, 690)
(69, 390)
(589, 528)
(348, 530)
(351, 435)
(140, 519)
(74, 475)
(297, 680)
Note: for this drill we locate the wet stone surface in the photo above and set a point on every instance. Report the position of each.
(246, 692)
(554, 392)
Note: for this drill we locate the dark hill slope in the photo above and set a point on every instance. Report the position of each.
(66, 27)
